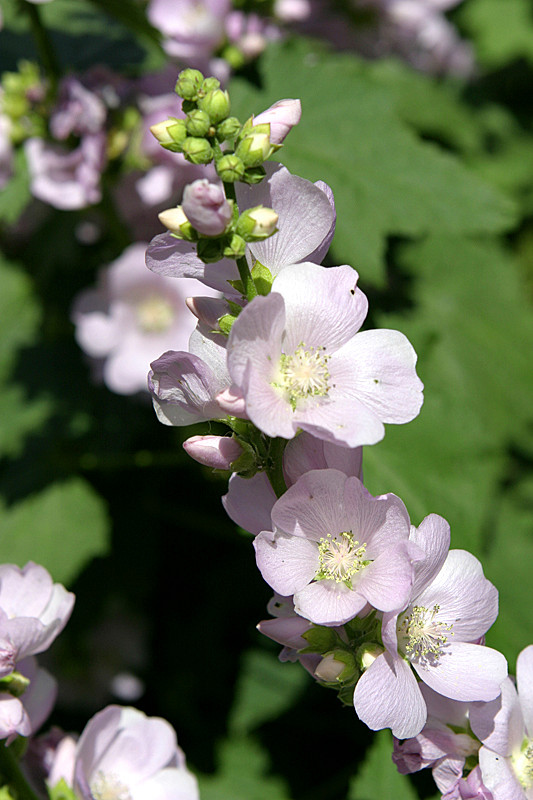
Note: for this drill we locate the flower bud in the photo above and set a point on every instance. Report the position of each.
(338, 666)
(281, 117)
(197, 150)
(217, 452)
(228, 129)
(197, 123)
(254, 175)
(257, 223)
(216, 103)
(229, 168)
(188, 83)
(170, 133)
(206, 207)
(177, 223)
(367, 654)
(236, 247)
(208, 85)
(254, 149)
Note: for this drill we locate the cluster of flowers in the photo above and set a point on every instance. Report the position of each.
(372, 606)
(121, 752)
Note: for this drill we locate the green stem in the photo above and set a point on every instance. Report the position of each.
(250, 289)
(13, 776)
(274, 466)
(43, 43)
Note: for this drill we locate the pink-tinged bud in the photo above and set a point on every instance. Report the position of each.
(281, 117)
(217, 452)
(206, 207)
(207, 309)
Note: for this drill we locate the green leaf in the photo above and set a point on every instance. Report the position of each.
(507, 563)
(501, 32)
(62, 528)
(386, 180)
(19, 320)
(242, 775)
(472, 327)
(379, 777)
(266, 688)
(15, 195)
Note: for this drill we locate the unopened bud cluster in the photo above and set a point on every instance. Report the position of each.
(208, 218)
(208, 124)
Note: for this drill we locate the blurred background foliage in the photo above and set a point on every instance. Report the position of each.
(433, 181)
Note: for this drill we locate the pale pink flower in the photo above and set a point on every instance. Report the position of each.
(505, 726)
(123, 753)
(452, 605)
(33, 611)
(335, 548)
(299, 362)
(249, 501)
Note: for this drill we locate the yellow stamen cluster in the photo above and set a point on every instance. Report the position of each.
(154, 314)
(340, 557)
(423, 636)
(107, 786)
(304, 373)
(523, 764)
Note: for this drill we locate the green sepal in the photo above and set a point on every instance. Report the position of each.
(239, 426)
(210, 250)
(238, 286)
(246, 464)
(262, 278)
(61, 792)
(225, 323)
(346, 695)
(5, 794)
(253, 175)
(319, 639)
(350, 673)
(14, 684)
(236, 247)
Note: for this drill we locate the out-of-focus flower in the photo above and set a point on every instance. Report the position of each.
(131, 317)
(124, 754)
(33, 611)
(79, 111)
(193, 29)
(6, 151)
(66, 179)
